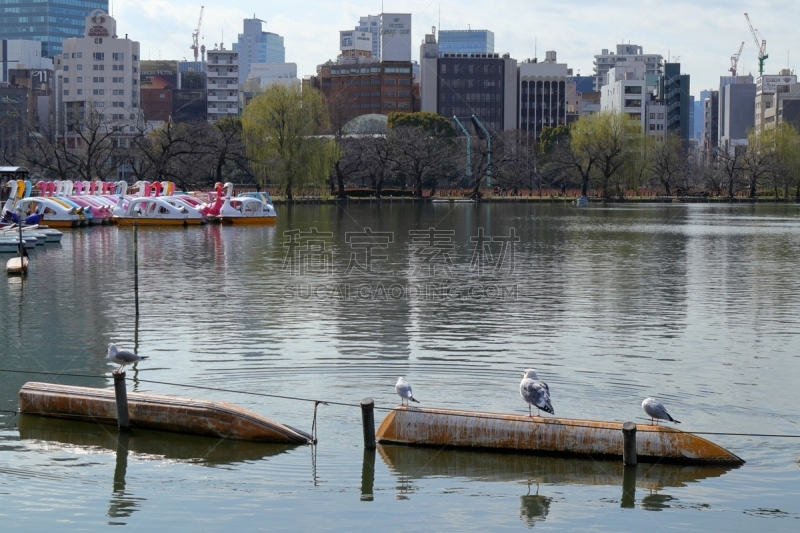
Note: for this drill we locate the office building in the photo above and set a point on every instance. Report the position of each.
(736, 115)
(99, 73)
(361, 86)
(372, 24)
(49, 22)
(773, 94)
(222, 83)
(626, 53)
(466, 42)
(673, 92)
(543, 94)
(462, 85)
(21, 54)
(710, 125)
(257, 46)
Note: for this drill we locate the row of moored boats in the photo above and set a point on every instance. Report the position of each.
(67, 203)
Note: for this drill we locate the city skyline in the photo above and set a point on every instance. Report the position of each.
(706, 39)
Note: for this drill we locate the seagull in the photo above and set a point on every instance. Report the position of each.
(404, 390)
(122, 357)
(535, 392)
(656, 410)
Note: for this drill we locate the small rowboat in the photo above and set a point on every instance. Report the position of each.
(438, 427)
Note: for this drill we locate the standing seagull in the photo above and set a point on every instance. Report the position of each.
(404, 390)
(123, 357)
(655, 410)
(535, 392)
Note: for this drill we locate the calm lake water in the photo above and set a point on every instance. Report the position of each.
(694, 304)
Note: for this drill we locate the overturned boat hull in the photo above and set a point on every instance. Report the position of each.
(438, 427)
(154, 411)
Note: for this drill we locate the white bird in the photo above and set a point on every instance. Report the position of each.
(123, 357)
(535, 392)
(404, 390)
(655, 410)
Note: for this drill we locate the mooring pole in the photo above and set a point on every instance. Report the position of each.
(629, 443)
(123, 420)
(368, 422)
(136, 265)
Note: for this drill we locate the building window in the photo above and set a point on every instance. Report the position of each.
(80, 91)
(652, 127)
(652, 117)
(661, 115)
(80, 67)
(633, 89)
(66, 68)
(80, 79)
(444, 69)
(389, 105)
(66, 80)
(66, 92)
(390, 82)
(390, 93)
(80, 55)
(117, 56)
(404, 82)
(98, 56)
(404, 94)
(98, 40)
(404, 105)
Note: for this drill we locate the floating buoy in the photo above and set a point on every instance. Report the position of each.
(154, 411)
(438, 427)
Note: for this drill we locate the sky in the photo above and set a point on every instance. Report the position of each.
(702, 36)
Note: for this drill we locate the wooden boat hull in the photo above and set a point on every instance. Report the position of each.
(153, 411)
(437, 427)
(248, 221)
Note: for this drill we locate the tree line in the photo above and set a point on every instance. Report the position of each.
(292, 139)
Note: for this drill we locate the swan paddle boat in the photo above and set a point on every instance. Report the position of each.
(155, 211)
(52, 212)
(246, 209)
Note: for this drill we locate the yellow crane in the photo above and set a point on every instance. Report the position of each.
(762, 48)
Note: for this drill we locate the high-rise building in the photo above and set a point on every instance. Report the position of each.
(777, 100)
(463, 85)
(673, 92)
(737, 100)
(99, 75)
(626, 53)
(710, 124)
(372, 24)
(19, 53)
(48, 21)
(222, 77)
(543, 94)
(466, 42)
(257, 46)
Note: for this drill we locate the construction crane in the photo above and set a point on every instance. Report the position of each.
(735, 61)
(196, 35)
(762, 48)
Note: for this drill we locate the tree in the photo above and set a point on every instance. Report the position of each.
(667, 161)
(281, 132)
(422, 144)
(604, 141)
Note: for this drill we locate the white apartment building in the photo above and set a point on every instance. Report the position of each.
(543, 94)
(626, 93)
(222, 83)
(99, 73)
(626, 53)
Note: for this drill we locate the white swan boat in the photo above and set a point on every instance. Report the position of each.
(246, 209)
(155, 211)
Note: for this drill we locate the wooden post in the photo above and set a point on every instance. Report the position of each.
(368, 422)
(136, 265)
(123, 420)
(629, 443)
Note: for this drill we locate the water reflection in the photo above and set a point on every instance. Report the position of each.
(418, 463)
(204, 451)
(534, 507)
(122, 504)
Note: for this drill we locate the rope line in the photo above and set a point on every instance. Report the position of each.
(317, 402)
